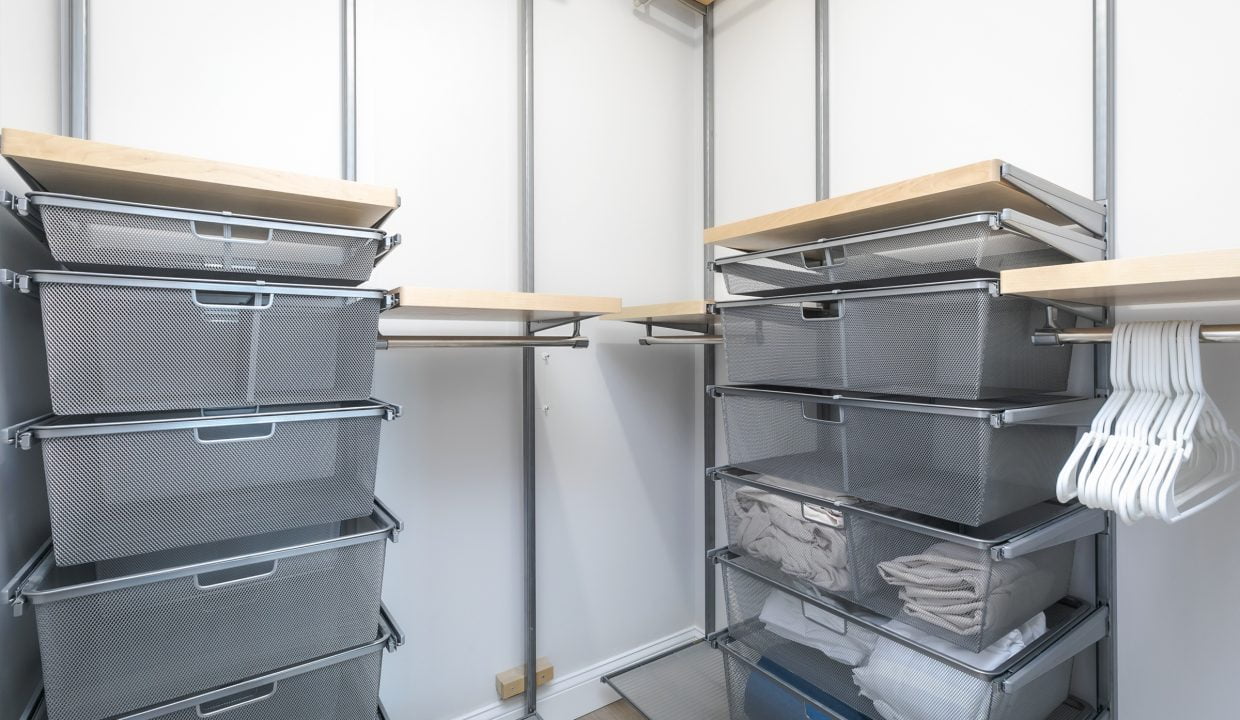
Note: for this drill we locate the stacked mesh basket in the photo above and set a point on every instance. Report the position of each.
(217, 548)
(892, 552)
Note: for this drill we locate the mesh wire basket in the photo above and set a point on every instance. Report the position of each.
(119, 344)
(954, 340)
(951, 461)
(111, 236)
(127, 634)
(968, 586)
(890, 679)
(987, 242)
(130, 485)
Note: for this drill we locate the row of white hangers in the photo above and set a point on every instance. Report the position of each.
(1158, 447)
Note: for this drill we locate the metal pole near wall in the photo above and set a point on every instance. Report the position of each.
(708, 290)
(73, 75)
(822, 94)
(525, 152)
(348, 101)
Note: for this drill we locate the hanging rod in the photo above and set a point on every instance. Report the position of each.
(479, 341)
(679, 340)
(1081, 336)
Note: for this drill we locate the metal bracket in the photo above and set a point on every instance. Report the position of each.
(397, 523)
(1080, 210)
(396, 636)
(390, 300)
(18, 435)
(389, 244)
(1070, 242)
(17, 204)
(1087, 633)
(13, 594)
(391, 410)
(1080, 524)
(1077, 413)
(16, 281)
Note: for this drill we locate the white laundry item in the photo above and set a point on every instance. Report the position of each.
(956, 588)
(773, 528)
(905, 684)
(843, 641)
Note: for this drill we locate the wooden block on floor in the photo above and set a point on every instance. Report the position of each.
(511, 682)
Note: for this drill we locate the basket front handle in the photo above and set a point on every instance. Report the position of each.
(236, 576)
(227, 236)
(827, 257)
(234, 433)
(237, 700)
(824, 413)
(232, 300)
(820, 310)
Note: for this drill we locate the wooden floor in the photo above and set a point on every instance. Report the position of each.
(616, 711)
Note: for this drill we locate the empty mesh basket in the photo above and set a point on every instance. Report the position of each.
(121, 635)
(951, 340)
(968, 245)
(134, 484)
(112, 236)
(128, 344)
(837, 661)
(968, 462)
(969, 586)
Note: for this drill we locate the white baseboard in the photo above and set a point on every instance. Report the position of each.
(581, 692)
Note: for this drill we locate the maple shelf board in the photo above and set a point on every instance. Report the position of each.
(686, 311)
(114, 172)
(489, 305)
(972, 188)
(1208, 276)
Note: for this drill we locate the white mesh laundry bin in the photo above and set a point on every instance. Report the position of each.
(123, 485)
(122, 635)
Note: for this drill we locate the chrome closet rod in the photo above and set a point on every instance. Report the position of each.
(1083, 336)
(479, 341)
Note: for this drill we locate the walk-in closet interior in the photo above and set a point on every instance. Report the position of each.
(618, 359)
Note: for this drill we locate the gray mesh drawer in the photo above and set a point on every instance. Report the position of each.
(127, 634)
(111, 236)
(127, 344)
(985, 243)
(128, 485)
(955, 340)
(969, 586)
(771, 671)
(959, 462)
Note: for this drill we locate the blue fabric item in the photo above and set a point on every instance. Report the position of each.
(766, 699)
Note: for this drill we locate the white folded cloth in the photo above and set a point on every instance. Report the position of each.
(905, 684)
(780, 530)
(960, 590)
(843, 641)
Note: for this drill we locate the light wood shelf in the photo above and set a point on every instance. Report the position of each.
(449, 304)
(980, 187)
(114, 172)
(685, 311)
(1192, 277)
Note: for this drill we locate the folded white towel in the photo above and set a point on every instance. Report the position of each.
(843, 641)
(776, 529)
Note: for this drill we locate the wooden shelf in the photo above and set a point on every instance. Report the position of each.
(446, 304)
(114, 172)
(983, 186)
(686, 311)
(1193, 277)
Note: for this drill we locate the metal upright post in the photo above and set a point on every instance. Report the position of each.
(822, 88)
(708, 290)
(525, 151)
(348, 100)
(73, 95)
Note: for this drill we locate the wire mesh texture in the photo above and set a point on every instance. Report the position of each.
(129, 348)
(894, 681)
(118, 237)
(978, 244)
(346, 690)
(119, 650)
(684, 685)
(946, 466)
(962, 343)
(118, 495)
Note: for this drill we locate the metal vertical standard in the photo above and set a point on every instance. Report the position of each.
(708, 293)
(348, 100)
(73, 68)
(525, 152)
(1104, 191)
(822, 93)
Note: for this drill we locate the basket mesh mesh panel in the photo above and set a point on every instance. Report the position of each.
(117, 349)
(934, 690)
(957, 344)
(119, 495)
(973, 246)
(348, 690)
(116, 651)
(97, 239)
(685, 685)
(954, 468)
(1004, 594)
